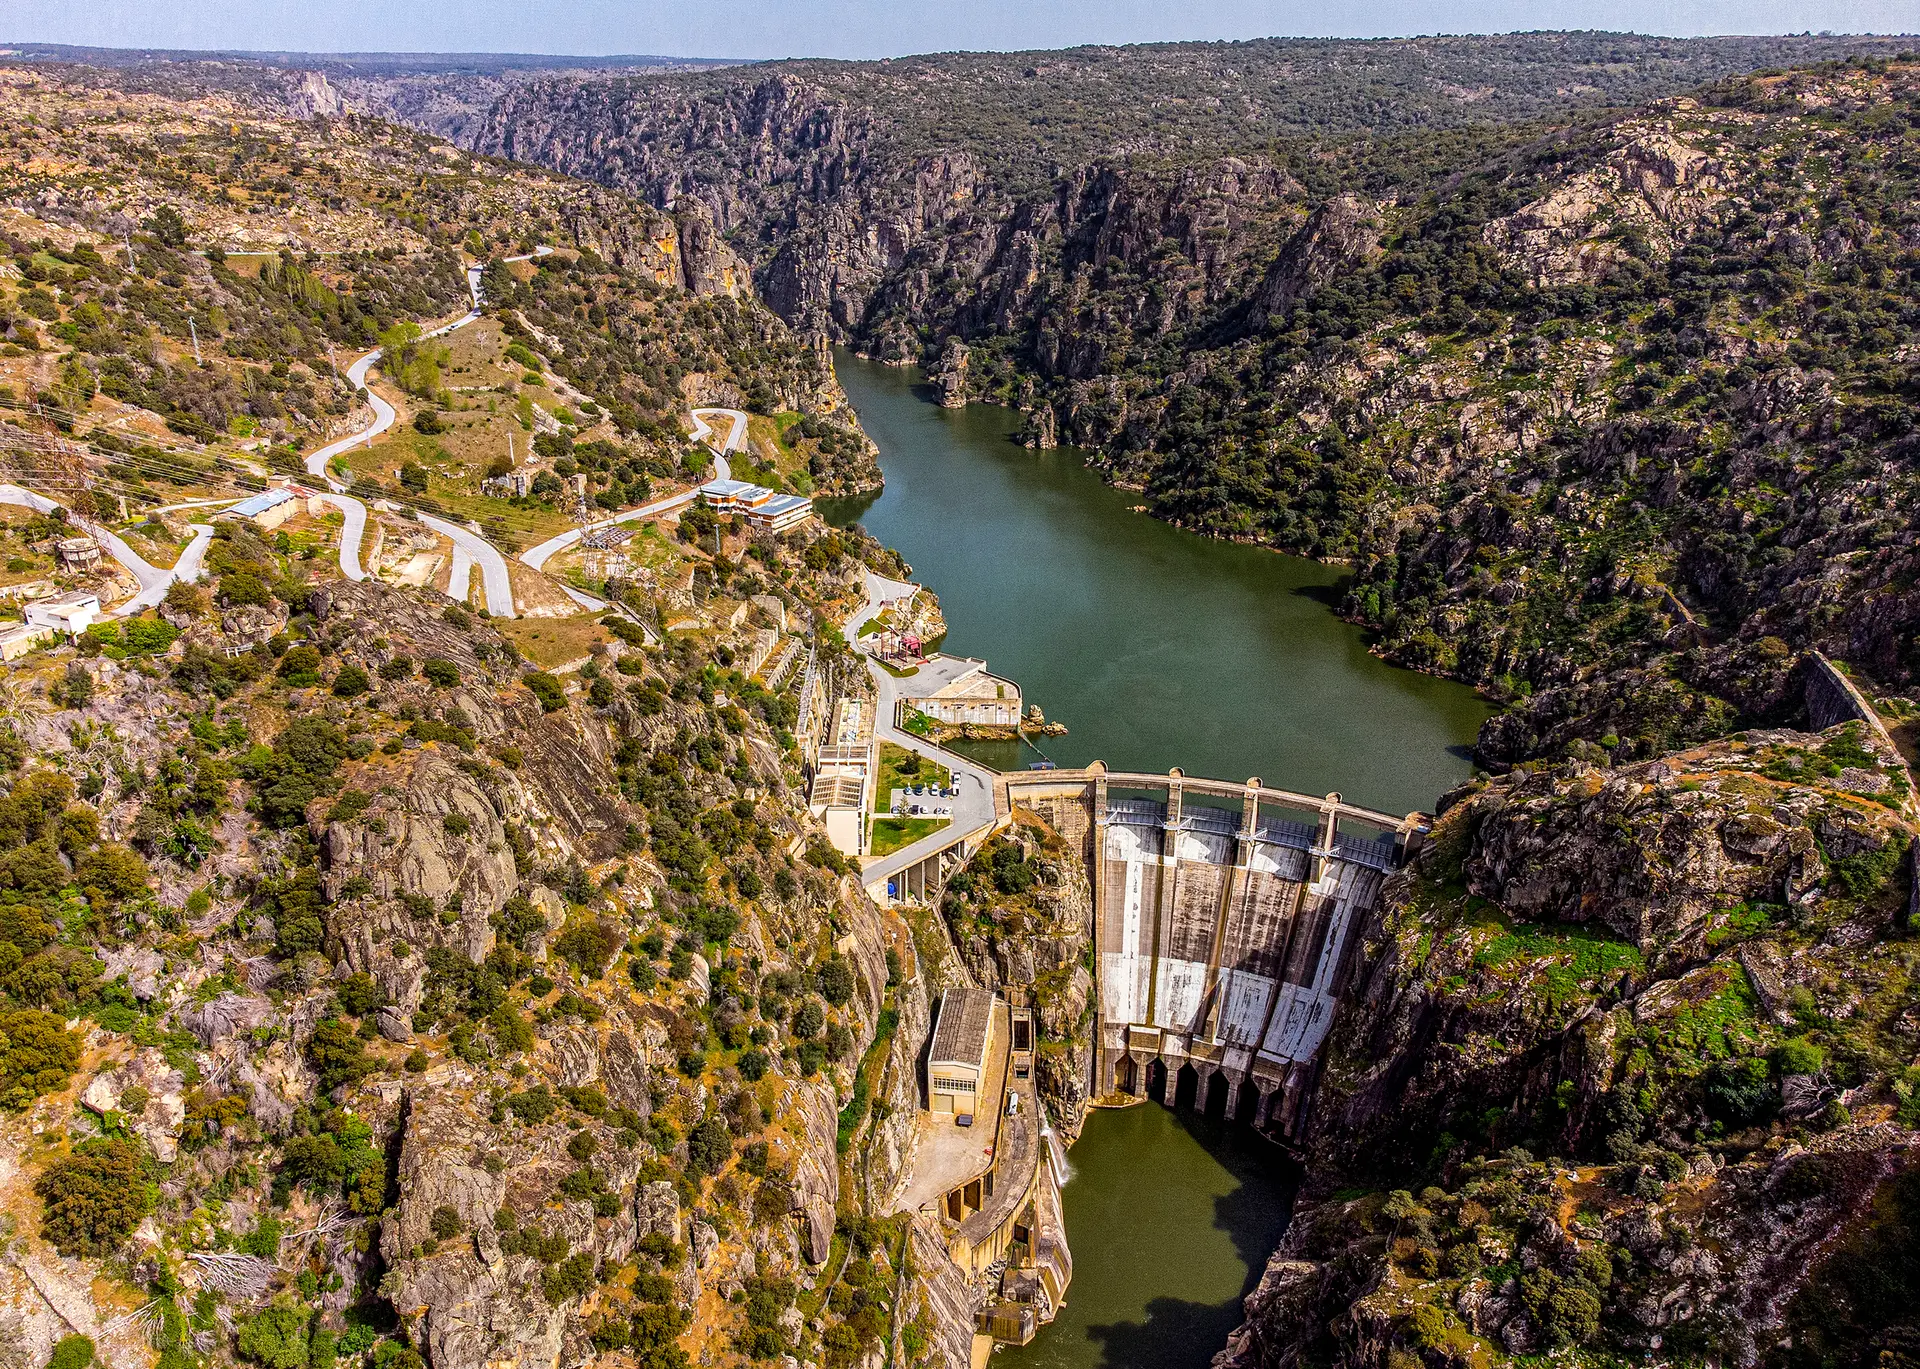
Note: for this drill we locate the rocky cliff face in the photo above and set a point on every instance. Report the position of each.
(1021, 917)
(1627, 1067)
(1575, 456)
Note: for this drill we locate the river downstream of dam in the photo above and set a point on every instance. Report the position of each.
(1156, 648)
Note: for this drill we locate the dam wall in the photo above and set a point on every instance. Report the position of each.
(1225, 920)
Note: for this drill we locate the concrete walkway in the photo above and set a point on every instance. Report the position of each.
(973, 809)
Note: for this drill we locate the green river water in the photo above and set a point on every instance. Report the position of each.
(1157, 648)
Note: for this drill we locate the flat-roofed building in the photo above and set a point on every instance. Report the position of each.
(267, 509)
(21, 638)
(838, 799)
(760, 506)
(958, 690)
(71, 613)
(963, 1044)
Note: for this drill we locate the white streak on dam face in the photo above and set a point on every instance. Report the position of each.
(1124, 970)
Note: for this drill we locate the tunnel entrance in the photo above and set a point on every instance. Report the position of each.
(1186, 1085)
(1127, 1075)
(1157, 1081)
(1215, 1104)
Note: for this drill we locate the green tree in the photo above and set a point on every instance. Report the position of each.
(276, 1336)
(550, 693)
(337, 1054)
(93, 1198)
(37, 1056)
(72, 1352)
(709, 1146)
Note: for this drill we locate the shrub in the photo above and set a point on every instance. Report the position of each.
(588, 944)
(313, 1162)
(337, 1054)
(264, 1239)
(445, 1223)
(439, 671)
(93, 1198)
(72, 1352)
(571, 1278)
(37, 1056)
(836, 981)
(276, 1336)
(300, 666)
(359, 994)
(1740, 1091)
(399, 668)
(809, 1019)
(709, 1146)
(546, 689)
(351, 681)
(113, 869)
(1798, 1056)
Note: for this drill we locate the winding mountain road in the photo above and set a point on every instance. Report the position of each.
(495, 579)
(153, 581)
(735, 441)
(471, 549)
(973, 809)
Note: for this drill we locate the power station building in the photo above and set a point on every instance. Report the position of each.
(963, 1044)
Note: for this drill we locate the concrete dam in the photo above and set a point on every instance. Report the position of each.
(1225, 921)
(1224, 926)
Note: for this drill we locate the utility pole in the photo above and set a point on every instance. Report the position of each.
(195, 334)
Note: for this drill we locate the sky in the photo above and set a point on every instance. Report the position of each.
(874, 28)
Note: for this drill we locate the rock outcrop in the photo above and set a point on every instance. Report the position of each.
(1596, 1041)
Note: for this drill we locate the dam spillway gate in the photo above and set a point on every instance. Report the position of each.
(1225, 926)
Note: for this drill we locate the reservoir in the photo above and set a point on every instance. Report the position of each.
(1156, 648)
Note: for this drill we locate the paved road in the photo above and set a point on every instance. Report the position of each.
(494, 577)
(152, 579)
(973, 809)
(460, 576)
(192, 563)
(354, 529)
(537, 557)
(352, 532)
(735, 441)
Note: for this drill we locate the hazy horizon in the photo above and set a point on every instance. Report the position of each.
(752, 30)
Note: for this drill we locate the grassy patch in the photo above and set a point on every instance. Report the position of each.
(902, 769)
(892, 834)
(550, 642)
(1573, 959)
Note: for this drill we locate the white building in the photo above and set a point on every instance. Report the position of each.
(761, 507)
(71, 613)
